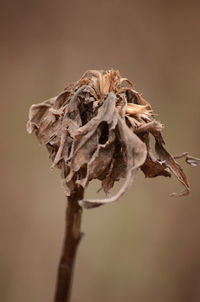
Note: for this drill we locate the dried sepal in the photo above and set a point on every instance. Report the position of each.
(99, 128)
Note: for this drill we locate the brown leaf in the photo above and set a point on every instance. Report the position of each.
(135, 154)
(171, 163)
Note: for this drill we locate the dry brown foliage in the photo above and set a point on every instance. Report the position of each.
(99, 128)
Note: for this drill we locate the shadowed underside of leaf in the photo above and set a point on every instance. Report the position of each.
(99, 128)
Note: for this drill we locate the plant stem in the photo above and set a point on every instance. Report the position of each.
(71, 241)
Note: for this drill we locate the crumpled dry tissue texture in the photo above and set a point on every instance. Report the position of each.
(100, 128)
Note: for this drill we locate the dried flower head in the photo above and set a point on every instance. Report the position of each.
(99, 128)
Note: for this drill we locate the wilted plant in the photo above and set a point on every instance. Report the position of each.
(99, 128)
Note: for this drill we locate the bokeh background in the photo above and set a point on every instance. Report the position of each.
(146, 247)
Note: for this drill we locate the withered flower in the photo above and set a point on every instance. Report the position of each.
(100, 128)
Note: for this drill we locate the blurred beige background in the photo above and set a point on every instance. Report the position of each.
(146, 247)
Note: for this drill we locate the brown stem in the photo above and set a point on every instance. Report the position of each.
(71, 241)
